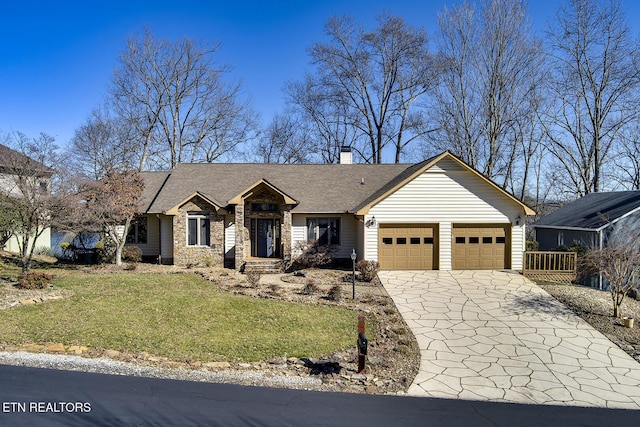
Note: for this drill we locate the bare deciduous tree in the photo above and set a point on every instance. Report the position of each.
(595, 80)
(103, 143)
(325, 118)
(485, 105)
(111, 204)
(618, 262)
(627, 158)
(25, 189)
(178, 101)
(284, 141)
(378, 75)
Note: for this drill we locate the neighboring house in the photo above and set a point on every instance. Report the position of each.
(437, 214)
(589, 221)
(592, 222)
(15, 166)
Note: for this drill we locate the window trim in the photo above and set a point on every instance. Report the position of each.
(199, 218)
(331, 240)
(134, 231)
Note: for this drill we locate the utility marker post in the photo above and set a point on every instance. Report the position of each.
(362, 345)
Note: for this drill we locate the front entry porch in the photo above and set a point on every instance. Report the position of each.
(263, 228)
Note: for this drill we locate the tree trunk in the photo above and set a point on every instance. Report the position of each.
(119, 254)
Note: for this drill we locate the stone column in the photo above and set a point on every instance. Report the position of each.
(240, 236)
(285, 236)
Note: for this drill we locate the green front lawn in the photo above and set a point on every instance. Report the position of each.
(178, 316)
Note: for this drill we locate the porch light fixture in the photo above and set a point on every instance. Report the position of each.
(353, 274)
(371, 222)
(518, 219)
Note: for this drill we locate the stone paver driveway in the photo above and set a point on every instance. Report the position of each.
(491, 335)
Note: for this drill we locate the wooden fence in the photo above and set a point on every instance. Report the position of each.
(557, 267)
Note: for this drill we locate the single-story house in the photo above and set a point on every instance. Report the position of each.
(437, 214)
(588, 221)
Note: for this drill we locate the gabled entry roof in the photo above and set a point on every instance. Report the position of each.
(247, 192)
(209, 200)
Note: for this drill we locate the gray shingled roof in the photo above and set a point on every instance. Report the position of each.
(317, 188)
(11, 159)
(592, 211)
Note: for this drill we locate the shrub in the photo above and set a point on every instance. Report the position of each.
(368, 269)
(208, 261)
(105, 250)
(312, 254)
(65, 247)
(34, 281)
(310, 288)
(253, 277)
(131, 254)
(335, 293)
(274, 288)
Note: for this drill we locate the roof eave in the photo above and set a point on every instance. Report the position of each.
(364, 210)
(218, 206)
(240, 197)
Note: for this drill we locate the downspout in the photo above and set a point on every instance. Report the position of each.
(159, 239)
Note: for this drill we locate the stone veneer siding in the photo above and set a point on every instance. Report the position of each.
(194, 255)
(285, 235)
(242, 236)
(243, 217)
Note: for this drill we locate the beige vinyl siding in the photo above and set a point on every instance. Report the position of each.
(518, 246)
(298, 231)
(229, 237)
(348, 231)
(152, 247)
(445, 246)
(43, 241)
(444, 194)
(370, 240)
(166, 233)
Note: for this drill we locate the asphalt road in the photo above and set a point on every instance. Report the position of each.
(45, 397)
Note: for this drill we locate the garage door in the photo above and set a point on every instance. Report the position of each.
(407, 246)
(480, 247)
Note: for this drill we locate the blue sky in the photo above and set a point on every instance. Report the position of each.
(58, 56)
